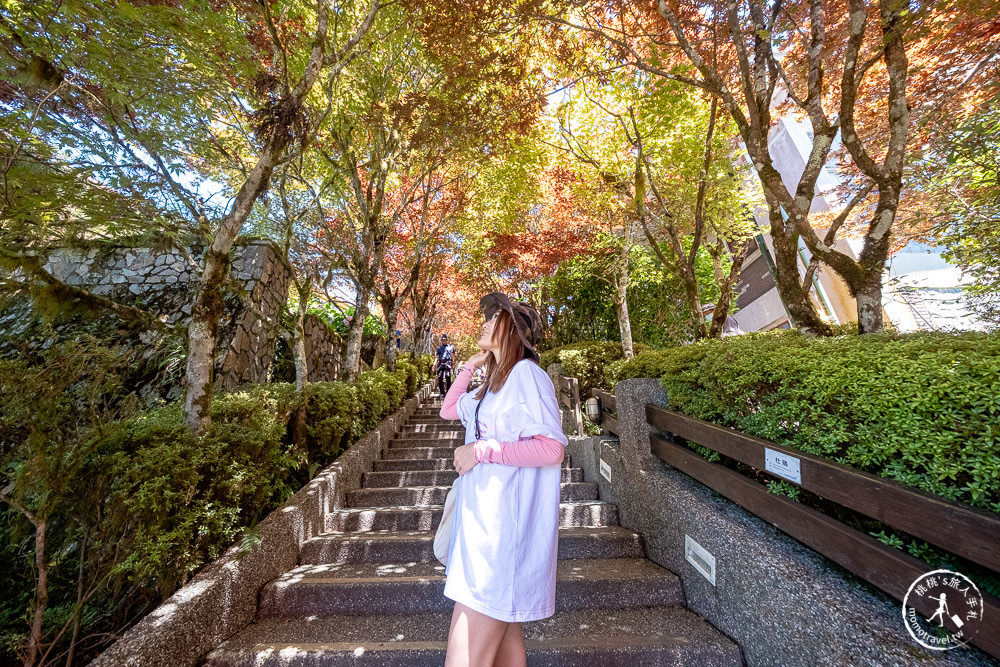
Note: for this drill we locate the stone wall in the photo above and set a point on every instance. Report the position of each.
(323, 350)
(163, 281)
(782, 602)
(250, 353)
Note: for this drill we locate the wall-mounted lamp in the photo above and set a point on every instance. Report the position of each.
(592, 406)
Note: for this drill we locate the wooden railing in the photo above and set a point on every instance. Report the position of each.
(609, 412)
(568, 392)
(963, 531)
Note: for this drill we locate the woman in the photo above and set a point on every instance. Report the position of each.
(502, 559)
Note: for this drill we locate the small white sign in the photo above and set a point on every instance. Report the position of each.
(605, 470)
(698, 556)
(782, 464)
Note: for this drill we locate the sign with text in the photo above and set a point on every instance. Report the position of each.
(605, 470)
(782, 464)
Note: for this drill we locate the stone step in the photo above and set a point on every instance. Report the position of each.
(637, 637)
(406, 443)
(407, 588)
(427, 464)
(419, 453)
(571, 515)
(431, 428)
(430, 419)
(434, 477)
(434, 434)
(414, 464)
(387, 546)
(422, 496)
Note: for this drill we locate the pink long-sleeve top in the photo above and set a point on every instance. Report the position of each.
(538, 450)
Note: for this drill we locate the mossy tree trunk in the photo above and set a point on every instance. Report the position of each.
(620, 297)
(725, 282)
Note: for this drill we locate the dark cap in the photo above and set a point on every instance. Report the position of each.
(526, 319)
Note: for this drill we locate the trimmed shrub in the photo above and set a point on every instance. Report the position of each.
(921, 409)
(153, 503)
(587, 361)
(409, 374)
(379, 392)
(331, 418)
(182, 499)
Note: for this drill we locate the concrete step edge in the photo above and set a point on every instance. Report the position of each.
(309, 590)
(638, 637)
(417, 546)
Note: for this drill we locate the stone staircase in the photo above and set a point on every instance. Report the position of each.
(370, 592)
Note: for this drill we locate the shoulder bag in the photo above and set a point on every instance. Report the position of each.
(445, 529)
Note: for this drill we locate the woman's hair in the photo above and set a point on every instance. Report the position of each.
(511, 351)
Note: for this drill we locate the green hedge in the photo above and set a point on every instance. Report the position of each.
(922, 409)
(180, 500)
(339, 413)
(188, 498)
(587, 361)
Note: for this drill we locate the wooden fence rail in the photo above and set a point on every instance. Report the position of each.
(609, 408)
(963, 531)
(568, 392)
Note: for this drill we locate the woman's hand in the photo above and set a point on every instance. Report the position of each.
(478, 359)
(465, 458)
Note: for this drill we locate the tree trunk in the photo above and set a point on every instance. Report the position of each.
(299, 437)
(869, 298)
(352, 355)
(693, 298)
(202, 333)
(427, 333)
(420, 297)
(299, 344)
(725, 288)
(391, 318)
(620, 298)
(422, 338)
(786, 261)
(41, 595)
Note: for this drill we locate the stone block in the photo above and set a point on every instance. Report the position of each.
(632, 397)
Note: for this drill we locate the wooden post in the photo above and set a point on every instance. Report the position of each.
(574, 392)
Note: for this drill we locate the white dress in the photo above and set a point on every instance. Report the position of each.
(502, 560)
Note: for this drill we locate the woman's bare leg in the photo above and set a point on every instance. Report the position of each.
(473, 639)
(511, 652)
